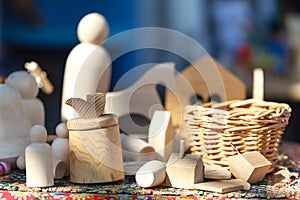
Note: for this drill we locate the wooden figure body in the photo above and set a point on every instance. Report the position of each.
(135, 149)
(14, 125)
(60, 146)
(27, 86)
(250, 166)
(183, 171)
(39, 162)
(151, 174)
(88, 66)
(160, 134)
(141, 98)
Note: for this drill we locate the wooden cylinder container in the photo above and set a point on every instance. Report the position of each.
(95, 151)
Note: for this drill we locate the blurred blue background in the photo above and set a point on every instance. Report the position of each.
(236, 32)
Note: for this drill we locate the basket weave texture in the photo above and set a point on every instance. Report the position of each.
(221, 130)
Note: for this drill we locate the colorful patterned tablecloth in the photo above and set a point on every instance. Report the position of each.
(282, 183)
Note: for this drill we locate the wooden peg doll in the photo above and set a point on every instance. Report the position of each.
(39, 162)
(60, 146)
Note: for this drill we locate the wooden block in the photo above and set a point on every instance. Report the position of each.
(185, 172)
(131, 167)
(160, 134)
(95, 155)
(245, 184)
(205, 77)
(151, 174)
(250, 166)
(216, 172)
(218, 186)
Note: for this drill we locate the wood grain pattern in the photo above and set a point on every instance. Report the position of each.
(184, 173)
(92, 108)
(96, 155)
(216, 172)
(98, 100)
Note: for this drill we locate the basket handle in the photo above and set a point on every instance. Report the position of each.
(258, 84)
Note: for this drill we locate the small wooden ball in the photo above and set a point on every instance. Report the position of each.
(62, 131)
(38, 134)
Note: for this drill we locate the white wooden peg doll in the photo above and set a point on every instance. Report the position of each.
(38, 159)
(60, 146)
(88, 66)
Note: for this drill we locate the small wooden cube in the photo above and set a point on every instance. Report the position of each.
(250, 166)
(185, 172)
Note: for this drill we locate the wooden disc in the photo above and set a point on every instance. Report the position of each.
(103, 121)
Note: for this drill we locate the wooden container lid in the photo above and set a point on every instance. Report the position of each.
(103, 121)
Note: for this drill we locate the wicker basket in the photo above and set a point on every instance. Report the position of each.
(217, 129)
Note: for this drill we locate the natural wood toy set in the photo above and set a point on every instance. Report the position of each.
(234, 137)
